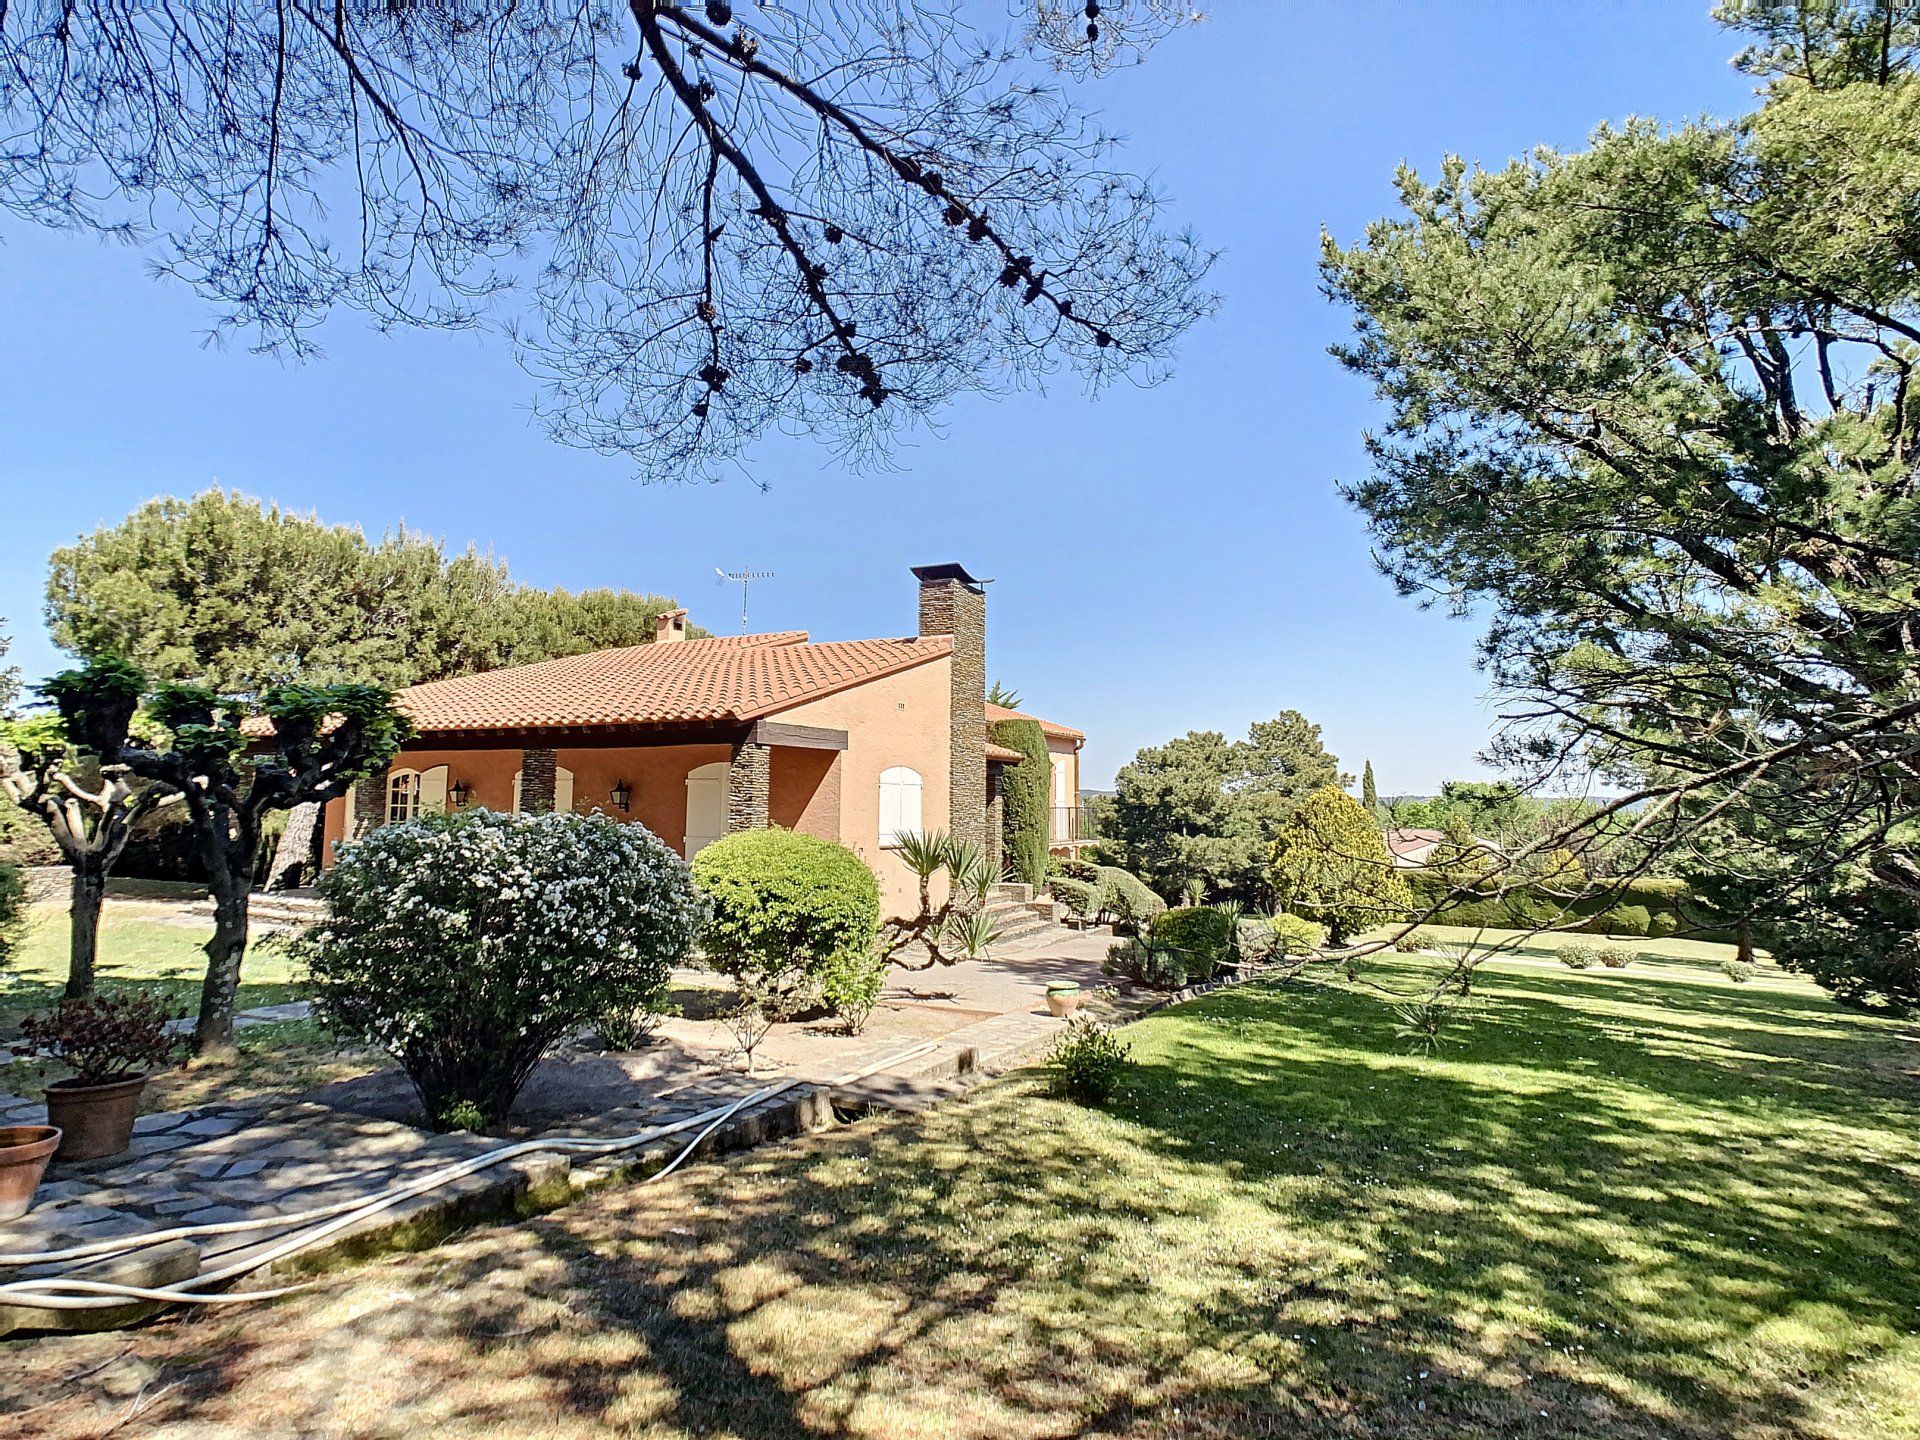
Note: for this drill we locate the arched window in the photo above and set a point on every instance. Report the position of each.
(403, 796)
(413, 793)
(899, 804)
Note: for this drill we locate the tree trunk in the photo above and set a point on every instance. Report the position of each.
(214, 1032)
(83, 945)
(291, 856)
(1743, 940)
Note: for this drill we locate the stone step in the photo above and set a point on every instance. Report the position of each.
(272, 909)
(1011, 890)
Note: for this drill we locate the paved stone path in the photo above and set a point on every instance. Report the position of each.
(221, 1163)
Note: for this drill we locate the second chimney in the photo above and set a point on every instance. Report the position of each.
(669, 627)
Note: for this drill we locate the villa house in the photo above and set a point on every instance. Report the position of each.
(859, 741)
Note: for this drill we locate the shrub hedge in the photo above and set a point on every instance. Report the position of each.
(1127, 897)
(1080, 899)
(1651, 907)
(1296, 935)
(796, 914)
(13, 909)
(1204, 938)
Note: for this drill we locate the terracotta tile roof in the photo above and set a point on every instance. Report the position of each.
(1003, 754)
(722, 678)
(1049, 728)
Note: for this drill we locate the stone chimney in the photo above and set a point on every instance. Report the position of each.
(953, 603)
(669, 627)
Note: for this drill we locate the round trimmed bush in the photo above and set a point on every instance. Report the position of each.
(468, 945)
(1204, 937)
(1296, 935)
(1080, 900)
(1127, 897)
(797, 914)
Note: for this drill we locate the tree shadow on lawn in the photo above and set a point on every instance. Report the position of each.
(1013, 1266)
(1283, 1225)
(1724, 1222)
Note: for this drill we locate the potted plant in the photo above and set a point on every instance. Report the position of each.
(1063, 998)
(111, 1041)
(24, 1153)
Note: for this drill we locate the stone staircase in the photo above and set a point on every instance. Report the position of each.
(1021, 918)
(281, 909)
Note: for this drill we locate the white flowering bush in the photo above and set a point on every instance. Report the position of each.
(468, 945)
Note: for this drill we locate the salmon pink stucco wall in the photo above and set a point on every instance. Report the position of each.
(899, 719)
(656, 773)
(803, 791)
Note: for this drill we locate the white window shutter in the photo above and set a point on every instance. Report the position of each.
(433, 791)
(899, 804)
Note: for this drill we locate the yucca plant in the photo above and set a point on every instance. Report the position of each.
(973, 935)
(971, 872)
(958, 928)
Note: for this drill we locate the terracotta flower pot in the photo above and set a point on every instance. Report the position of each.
(97, 1119)
(1063, 1000)
(24, 1153)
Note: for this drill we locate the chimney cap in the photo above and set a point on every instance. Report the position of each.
(935, 574)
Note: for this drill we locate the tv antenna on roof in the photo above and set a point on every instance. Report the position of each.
(743, 578)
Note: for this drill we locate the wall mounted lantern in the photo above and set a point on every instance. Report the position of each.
(622, 795)
(460, 792)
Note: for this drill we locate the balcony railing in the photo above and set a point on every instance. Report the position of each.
(1072, 823)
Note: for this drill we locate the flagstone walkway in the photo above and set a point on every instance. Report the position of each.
(226, 1163)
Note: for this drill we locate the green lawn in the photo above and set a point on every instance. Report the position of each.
(141, 948)
(1612, 1206)
(138, 947)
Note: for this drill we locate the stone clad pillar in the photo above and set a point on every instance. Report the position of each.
(369, 804)
(749, 786)
(954, 604)
(537, 780)
(996, 819)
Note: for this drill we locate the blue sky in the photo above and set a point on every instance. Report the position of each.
(1165, 559)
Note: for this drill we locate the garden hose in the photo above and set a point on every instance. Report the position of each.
(66, 1292)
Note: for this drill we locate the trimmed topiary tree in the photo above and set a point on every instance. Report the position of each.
(1330, 864)
(793, 916)
(1026, 793)
(1079, 899)
(1127, 898)
(468, 945)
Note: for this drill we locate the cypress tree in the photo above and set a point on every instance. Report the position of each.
(1024, 797)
